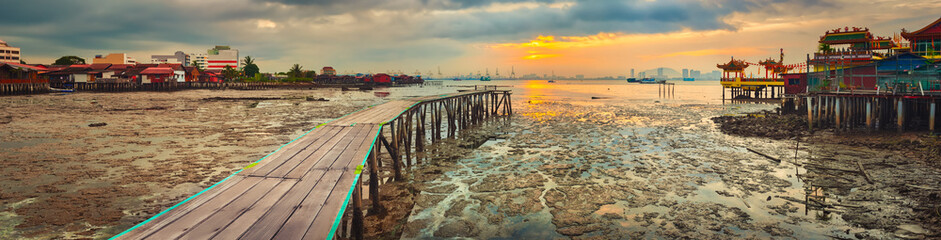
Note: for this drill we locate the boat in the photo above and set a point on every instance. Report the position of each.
(651, 81)
(632, 80)
(485, 78)
(689, 79)
(551, 81)
(456, 79)
(61, 90)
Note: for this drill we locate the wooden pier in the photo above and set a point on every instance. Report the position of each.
(866, 111)
(302, 190)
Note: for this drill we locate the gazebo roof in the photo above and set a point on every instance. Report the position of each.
(733, 65)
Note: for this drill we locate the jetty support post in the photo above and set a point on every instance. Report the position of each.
(838, 113)
(869, 115)
(931, 116)
(810, 113)
(374, 180)
(901, 115)
(358, 210)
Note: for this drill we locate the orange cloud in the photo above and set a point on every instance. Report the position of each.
(550, 42)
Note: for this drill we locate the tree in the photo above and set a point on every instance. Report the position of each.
(22, 62)
(250, 68)
(196, 65)
(229, 72)
(825, 48)
(69, 60)
(310, 74)
(295, 71)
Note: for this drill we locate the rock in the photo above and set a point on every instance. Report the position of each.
(456, 229)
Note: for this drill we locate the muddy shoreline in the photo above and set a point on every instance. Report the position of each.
(90, 165)
(897, 191)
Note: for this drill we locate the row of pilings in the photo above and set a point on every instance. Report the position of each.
(759, 92)
(38, 88)
(23, 88)
(869, 112)
(405, 139)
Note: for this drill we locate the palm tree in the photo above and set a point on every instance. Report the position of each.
(825, 48)
(295, 71)
(196, 64)
(249, 69)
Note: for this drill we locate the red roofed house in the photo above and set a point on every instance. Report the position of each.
(20, 73)
(329, 71)
(382, 78)
(156, 75)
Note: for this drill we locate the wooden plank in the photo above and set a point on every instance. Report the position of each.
(167, 218)
(247, 219)
(331, 156)
(314, 140)
(330, 132)
(286, 151)
(197, 215)
(210, 226)
(325, 218)
(315, 157)
(275, 218)
(345, 165)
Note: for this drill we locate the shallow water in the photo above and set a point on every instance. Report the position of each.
(633, 165)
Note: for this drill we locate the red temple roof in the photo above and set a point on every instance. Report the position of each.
(733, 65)
(933, 29)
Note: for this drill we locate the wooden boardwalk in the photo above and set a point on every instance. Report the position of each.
(302, 190)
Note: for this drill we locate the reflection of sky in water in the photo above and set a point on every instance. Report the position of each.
(670, 140)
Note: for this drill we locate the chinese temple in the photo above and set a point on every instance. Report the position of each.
(849, 47)
(926, 41)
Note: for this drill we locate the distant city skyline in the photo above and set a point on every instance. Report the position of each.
(592, 38)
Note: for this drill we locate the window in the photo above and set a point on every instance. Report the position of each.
(16, 52)
(16, 58)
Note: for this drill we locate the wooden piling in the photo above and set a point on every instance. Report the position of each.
(931, 116)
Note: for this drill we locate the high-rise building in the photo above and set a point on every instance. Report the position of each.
(685, 73)
(217, 58)
(114, 58)
(632, 72)
(659, 73)
(695, 74)
(178, 57)
(8, 53)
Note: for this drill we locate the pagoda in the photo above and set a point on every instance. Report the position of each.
(774, 68)
(733, 69)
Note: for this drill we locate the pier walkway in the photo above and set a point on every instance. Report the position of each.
(302, 190)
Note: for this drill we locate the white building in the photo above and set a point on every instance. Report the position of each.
(177, 58)
(217, 58)
(8, 53)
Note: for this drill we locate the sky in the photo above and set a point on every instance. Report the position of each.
(595, 38)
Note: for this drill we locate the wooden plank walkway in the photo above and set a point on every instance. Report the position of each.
(297, 192)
